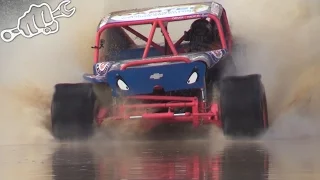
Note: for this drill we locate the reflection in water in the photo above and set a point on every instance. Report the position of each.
(244, 162)
(161, 160)
(73, 163)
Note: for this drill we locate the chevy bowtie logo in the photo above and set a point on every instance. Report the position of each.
(156, 76)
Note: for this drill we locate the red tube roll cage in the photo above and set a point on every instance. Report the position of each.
(160, 22)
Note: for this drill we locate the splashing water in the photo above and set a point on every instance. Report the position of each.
(280, 39)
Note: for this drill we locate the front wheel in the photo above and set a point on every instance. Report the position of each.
(72, 111)
(243, 106)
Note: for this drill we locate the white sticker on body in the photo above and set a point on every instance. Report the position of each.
(156, 76)
(162, 12)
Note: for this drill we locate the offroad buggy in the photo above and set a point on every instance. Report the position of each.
(161, 83)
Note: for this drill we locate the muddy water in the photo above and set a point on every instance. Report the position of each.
(281, 40)
(197, 160)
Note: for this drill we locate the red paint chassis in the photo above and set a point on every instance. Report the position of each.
(201, 113)
(198, 115)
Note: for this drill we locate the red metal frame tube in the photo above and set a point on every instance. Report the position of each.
(220, 29)
(154, 60)
(161, 105)
(166, 35)
(181, 39)
(170, 118)
(228, 34)
(150, 21)
(165, 98)
(139, 35)
(167, 115)
(151, 34)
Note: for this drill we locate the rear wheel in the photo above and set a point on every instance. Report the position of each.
(72, 111)
(243, 106)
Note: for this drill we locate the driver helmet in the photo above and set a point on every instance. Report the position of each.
(201, 33)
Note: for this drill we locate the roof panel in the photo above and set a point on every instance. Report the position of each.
(179, 10)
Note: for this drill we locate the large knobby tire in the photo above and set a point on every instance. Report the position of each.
(72, 111)
(243, 106)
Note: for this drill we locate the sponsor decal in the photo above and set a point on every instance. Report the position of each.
(103, 68)
(162, 12)
(218, 53)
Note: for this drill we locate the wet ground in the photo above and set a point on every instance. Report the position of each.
(163, 159)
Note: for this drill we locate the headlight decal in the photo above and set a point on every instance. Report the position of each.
(194, 76)
(122, 84)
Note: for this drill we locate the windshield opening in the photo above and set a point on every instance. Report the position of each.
(131, 42)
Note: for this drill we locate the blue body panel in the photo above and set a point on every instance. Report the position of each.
(174, 77)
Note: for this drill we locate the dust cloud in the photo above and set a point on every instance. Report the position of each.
(30, 68)
(280, 40)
